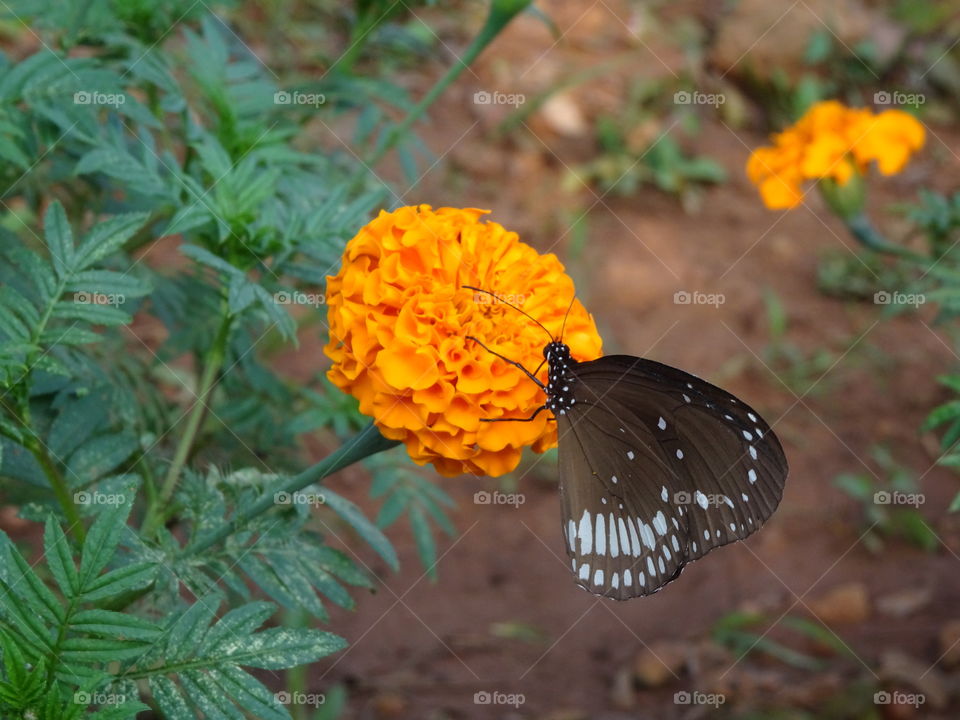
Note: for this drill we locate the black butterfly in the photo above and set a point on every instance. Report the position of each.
(657, 467)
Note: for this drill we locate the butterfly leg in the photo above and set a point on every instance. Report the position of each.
(511, 362)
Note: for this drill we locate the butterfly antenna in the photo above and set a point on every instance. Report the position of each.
(499, 299)
(569, 308)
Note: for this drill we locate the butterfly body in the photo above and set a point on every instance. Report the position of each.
(657, 468)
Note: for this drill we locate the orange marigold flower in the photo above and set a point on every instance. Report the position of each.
(832, 141)
(399, 319)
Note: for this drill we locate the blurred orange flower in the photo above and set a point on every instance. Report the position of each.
(399, 319)
(832, 141)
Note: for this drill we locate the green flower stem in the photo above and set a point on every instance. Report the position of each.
(867, 235)
(212, 364)
(367, 443)
(60, 489)
(501, 13)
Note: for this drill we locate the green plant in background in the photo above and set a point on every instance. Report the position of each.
(800, 370)
(741, 633)
(637, 147)
(164, 235)
(947, 417)
(890, 504)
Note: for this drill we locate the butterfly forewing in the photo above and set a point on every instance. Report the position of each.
(676, 465)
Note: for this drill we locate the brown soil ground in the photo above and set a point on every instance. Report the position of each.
(421, 650)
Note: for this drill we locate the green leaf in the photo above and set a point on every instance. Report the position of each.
(59, 237)
(423, 537)
(954, 504)
(114, 624)
(107, 237)
(941, 414)
(101, 543)
(120, 581)
(101, 455)
(364, 528)
(168, 698)
(250, 694)
(59, 557)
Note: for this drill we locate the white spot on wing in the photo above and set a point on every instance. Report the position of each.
(664, 495)
(701, 499)
(601, 535)
(615, 581)
(630, 455)
(650, 566)
(662, 424)
(646, 533)
(614, 545)
(584, 571)
(598, 577)
(627, 578)
(634, 540)
(585, 534)
(752, 476)
(679, 454)
(572, 535)
(660, 565)
(676, 544)
(624, 537)
(660, 523)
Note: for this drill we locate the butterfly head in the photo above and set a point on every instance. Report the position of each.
(556, 354)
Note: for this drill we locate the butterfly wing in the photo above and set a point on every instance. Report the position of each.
(657, 468)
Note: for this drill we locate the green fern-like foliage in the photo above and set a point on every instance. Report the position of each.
(166, 231)
(64, 648)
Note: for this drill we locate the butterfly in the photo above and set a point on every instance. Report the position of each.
(657, 467)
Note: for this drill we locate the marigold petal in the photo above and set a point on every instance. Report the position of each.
(405, 366)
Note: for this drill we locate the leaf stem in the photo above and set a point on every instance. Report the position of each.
(212, 364)
(61, 489)
(501, 13)
(867, 235)
(368, 442)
